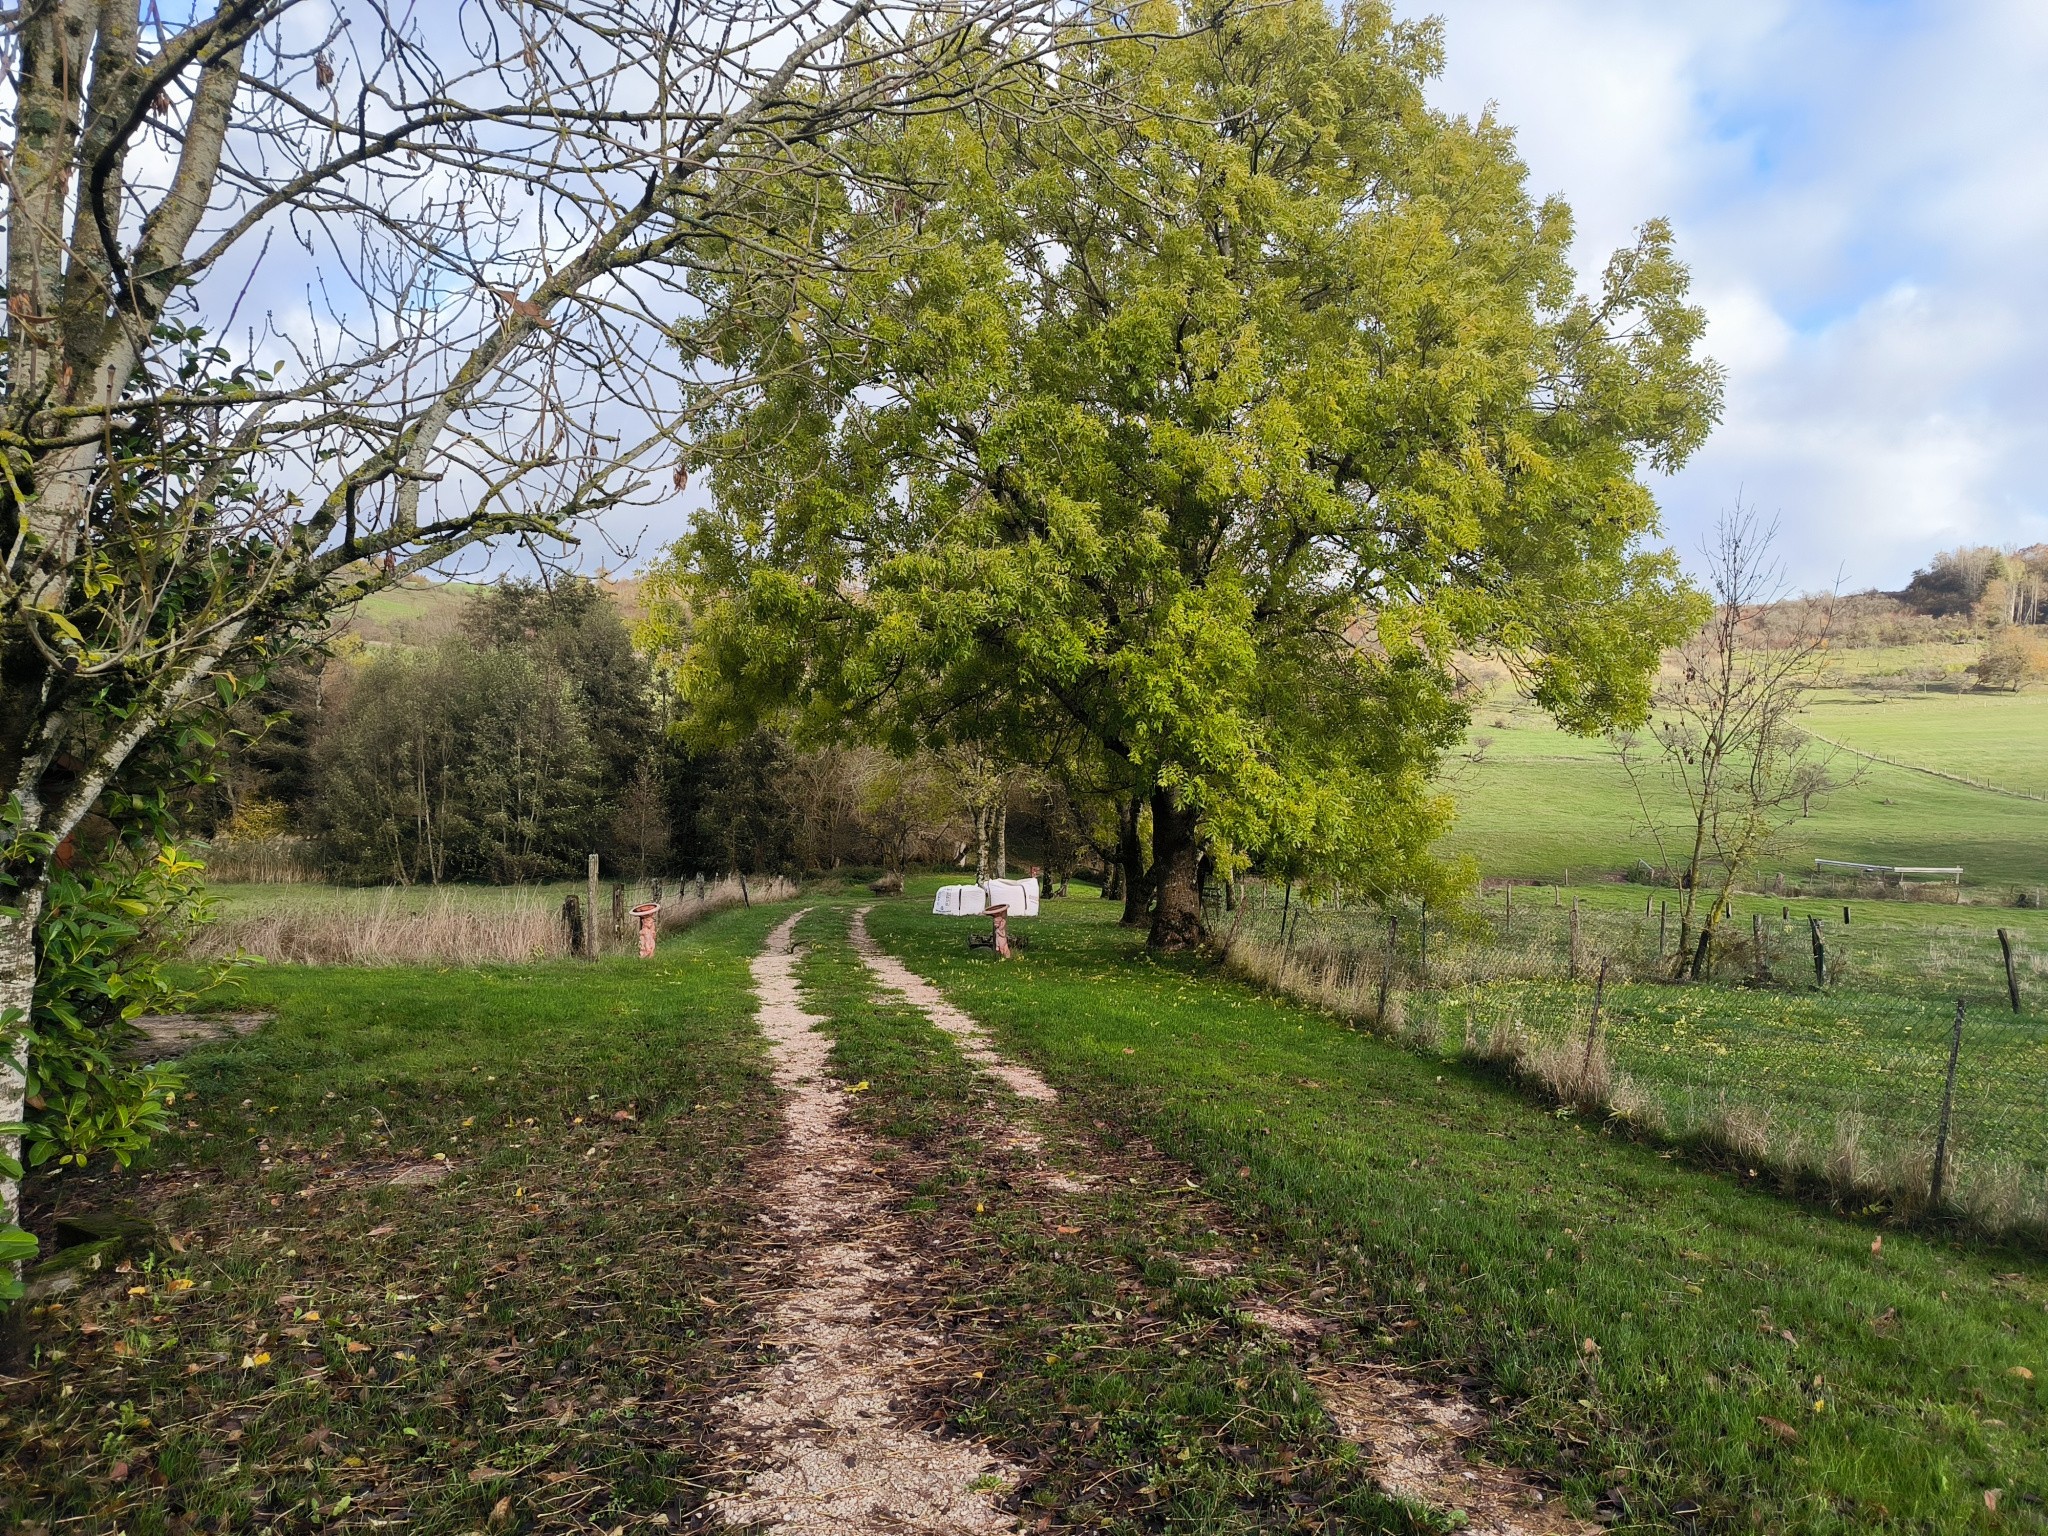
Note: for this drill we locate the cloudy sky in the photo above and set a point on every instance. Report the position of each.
(1861, 189)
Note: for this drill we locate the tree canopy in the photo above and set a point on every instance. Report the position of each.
(1207, 433)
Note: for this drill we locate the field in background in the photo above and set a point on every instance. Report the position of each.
(1534, 802)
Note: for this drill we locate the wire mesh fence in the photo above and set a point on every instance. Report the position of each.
(1816, 1045)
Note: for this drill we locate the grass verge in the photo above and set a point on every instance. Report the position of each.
(532, 1342)
(1693, 1352)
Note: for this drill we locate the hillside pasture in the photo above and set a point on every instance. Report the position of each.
(1536, 802)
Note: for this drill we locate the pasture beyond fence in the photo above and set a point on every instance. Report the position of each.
(1842, 1081)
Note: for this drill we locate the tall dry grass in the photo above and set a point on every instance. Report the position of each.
(260, 861)
(453, 926)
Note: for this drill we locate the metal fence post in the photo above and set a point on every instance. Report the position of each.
(1593, 1029)
(2012, 977)
(1948, 1100)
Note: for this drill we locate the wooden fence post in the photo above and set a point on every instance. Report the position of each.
(590, 928)
(618, 910)
(1948, 1099)
(2012, 977)
(1510, 894)
(1699, 955)
(1820, 953)
(1387, 971)
(1572, 962)
(572, 917)
(1756, 939)
(1663, 917)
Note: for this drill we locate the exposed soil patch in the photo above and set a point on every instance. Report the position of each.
(824, 1431)
(167, 1035)
(1421, 1448)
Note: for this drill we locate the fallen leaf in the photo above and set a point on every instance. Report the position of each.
(356, 1347)
(1780, 1428)
(482, 1474)
(502, 1510)
(1786, 1335)
(1877, 1245)
(1588, 1347)
(2021, 1372)
(860, 1087)
(118, 1472)
(182, 1283)
(261, 1357)
(384, 1231)
(1991, 1498)
(1066, 1231)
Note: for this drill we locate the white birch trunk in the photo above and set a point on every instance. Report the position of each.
(17, 992)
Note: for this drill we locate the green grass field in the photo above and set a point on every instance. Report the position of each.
(1535, 802)
(1654, 1324)
(310, 1347)
(1841, 1084)
(553, 1324)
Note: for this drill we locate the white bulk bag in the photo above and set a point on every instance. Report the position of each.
(959, 901)
(1020, 896)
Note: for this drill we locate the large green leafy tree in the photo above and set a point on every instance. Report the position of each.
(1215, 428)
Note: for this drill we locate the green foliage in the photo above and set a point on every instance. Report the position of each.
(106, 945)
(455, 764)
(496, 756)
(1206, 435)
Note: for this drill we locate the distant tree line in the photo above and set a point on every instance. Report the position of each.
(536, 734)
(1986, 585)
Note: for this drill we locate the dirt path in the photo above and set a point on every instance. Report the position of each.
(1419, 1441)
(828, 1447)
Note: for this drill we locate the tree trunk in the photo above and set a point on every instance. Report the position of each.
(1137, 889)
(981, 820)
(1176, 876)
(17, 993)
(1002, 842)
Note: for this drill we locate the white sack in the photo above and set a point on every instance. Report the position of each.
(1020, 896)
(960, 901)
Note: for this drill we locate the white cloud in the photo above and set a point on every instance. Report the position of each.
(1858, 191)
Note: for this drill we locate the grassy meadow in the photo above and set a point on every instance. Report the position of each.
(1717, 1357)
(539, 1338)
(1535, 802)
